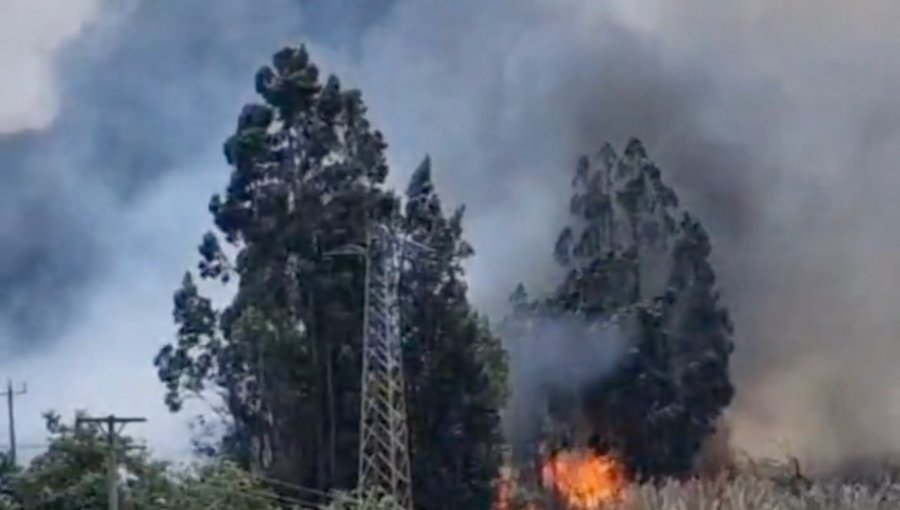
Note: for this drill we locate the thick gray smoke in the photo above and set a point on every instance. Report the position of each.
(775, 121)
(555, 356)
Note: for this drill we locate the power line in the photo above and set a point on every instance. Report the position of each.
(211, 486)
(257, 477)
(259, 495)
(288, 485)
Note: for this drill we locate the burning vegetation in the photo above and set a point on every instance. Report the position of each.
(578, 479)
(584, 480)
(637, 274)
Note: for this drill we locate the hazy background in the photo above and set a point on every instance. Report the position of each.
(777, 122)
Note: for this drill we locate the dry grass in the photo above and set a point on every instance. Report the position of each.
(772, 487)
(749, 493)
(757, 486)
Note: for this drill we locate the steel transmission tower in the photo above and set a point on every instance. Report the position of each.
(384, 463)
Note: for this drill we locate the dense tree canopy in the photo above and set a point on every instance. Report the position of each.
(456, 368)
(285, 355)
(307, 180)
(634, 259)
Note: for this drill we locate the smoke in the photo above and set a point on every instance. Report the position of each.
(552, 357)
(106, 183)
(812, 282)
(775, 122)
(32, 32)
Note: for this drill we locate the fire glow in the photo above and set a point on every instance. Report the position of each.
(583, 479)
(577, 479)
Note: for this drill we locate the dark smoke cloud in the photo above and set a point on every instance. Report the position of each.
(772, 120)
(775, 121)
(145, 88)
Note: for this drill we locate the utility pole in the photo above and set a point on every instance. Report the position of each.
(384, 463)
(10, 395)
(110, 422)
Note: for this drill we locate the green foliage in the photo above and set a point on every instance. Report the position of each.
(72, 474)
(456, 368)
(285, 354)
(220, 485)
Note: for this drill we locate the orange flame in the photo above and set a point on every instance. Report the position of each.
(584, 480)
(580, 479)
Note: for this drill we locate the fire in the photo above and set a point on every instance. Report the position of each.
(578, 479)
(583, 479)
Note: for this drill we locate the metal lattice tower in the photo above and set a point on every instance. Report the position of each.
(384, 460)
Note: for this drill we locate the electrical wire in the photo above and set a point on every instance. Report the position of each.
(26, 446)
(260, 495)
(289, 485)
(263, 479)
(208, 485)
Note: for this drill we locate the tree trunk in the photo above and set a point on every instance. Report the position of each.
(332, 415)
(321, 468)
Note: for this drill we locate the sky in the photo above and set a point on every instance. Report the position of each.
(774, 121)
(111, 140)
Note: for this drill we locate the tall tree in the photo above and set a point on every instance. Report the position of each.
(633, 256)
(306, 178)
(285, 355)
(456, 367)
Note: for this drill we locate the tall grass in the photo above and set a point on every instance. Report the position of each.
(751, 493)
(771, 487)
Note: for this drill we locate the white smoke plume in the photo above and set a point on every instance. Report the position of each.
(775, 121)
(33, 33)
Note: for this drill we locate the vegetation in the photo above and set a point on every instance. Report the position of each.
(307, 174)
(634, 259)
(749, 492)
(73, 475)
(285, 355)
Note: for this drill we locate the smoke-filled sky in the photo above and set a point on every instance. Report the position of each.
(777, 122)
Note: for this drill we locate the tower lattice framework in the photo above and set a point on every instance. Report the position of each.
(384, 460)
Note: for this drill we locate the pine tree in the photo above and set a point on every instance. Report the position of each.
(456, 367)
(634, 257)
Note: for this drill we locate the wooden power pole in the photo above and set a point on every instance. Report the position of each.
(110, 422)
(10, 395)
